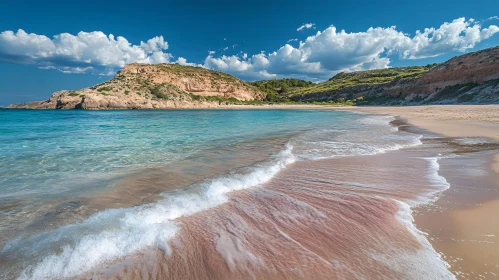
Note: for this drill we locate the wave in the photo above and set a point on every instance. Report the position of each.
(116, 233)
(427, 260)
(367, 136)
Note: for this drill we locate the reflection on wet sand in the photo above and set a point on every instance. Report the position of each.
(325, 219)
(336, 218)
(136, 187)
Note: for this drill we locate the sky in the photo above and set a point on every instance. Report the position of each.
(46, 46)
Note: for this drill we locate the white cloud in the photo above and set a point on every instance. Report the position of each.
(183, 61)
(329, 51)
(493, 18)
(69, 70)
(318, 57)
(81, 53)
(306, 26)
(458, 35)
(292, 40)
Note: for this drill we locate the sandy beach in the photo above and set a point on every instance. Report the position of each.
(358, 208)
(462, 225)
(465, 230)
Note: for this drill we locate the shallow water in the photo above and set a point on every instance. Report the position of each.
(215, 195)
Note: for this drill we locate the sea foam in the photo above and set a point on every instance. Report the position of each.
(115, 233)
(427, 264)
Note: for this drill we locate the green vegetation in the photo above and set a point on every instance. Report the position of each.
(73, 93)
(192, 70)
(280, 86)
(104, 89)
(295, 90)
(340, 90)
(195, 97)
(279, 90)
(451, 92)
(165, 91)
(344, 80)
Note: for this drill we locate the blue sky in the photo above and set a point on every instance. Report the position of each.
(252, 40)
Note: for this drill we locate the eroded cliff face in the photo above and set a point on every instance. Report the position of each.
(472, 78)
(143, 86)
(195, 80)
(477, 68)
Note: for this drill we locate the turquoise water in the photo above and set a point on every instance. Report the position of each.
(53, 157)
(43, 152)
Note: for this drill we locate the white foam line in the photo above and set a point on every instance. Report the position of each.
(431, 262)
(438, 182)
(436, 266)
(115, 233)
(120, 232)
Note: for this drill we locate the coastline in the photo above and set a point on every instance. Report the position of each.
(461, 233)
(448, 231)
(460, 225)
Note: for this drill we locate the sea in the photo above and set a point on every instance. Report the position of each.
(217, 194)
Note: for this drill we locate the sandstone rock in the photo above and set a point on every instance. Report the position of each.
(143, 86)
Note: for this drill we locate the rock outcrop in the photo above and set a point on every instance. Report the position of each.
(161, 86)
(472, 78)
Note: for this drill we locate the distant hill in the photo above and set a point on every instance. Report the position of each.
(469, 78)
(277, 90)
(144, 86)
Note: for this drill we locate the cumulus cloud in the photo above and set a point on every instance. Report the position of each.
(330, 51)
(493, 18)
(316, 58)
(458, 35)
(183, 61)
(81, 53)
(306, 26)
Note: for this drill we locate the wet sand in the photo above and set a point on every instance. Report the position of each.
(324, 219)
(463, 223)
(313, 222)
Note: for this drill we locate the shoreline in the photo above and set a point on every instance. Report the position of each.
(459, 223)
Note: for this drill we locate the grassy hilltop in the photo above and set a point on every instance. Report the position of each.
(470, 78)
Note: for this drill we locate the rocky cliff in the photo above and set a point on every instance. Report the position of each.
(143, 86)
(469, 78)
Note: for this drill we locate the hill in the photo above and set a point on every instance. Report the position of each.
(469, 78)
(278, 90)
(144, 86)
